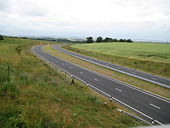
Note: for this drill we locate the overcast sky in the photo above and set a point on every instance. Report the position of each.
(135, 19)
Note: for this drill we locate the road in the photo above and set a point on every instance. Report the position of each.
(147, 105)
(165, 82)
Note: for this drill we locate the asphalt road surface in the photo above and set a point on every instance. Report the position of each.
(165, 82)
(147, 105)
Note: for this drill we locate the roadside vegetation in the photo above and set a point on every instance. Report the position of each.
(1, 37)
(148, 57)
(113, 74)
(36, 96)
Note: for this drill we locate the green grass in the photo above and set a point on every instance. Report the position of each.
(113, 74)
(34, 95)
(149, 57)
(148, 51)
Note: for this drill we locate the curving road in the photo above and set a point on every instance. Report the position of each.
(165, 82)
(147, 105)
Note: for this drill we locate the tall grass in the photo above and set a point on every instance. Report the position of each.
(37, 96)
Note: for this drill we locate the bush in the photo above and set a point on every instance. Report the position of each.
(1, 37)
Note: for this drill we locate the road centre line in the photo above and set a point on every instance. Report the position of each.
(112, 97)
(118, 90)
(154, 106)
(96, 79)
(81, 73)
(125, 84)
(146, 79)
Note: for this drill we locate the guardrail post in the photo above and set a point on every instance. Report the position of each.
(153, 121)
(111, 99)
(8, 73)
(72, 81)
(65, 77)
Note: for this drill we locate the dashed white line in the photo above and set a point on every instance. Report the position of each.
(117, 69)
(81, 73)
(96, 79)
(118, 90)
(114, 98)
(134, 72)
(154, 78)
(154, 106)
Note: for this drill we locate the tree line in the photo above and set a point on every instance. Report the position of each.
(1, 37)
(107, 39)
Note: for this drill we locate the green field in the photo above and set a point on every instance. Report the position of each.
(148, 57)
(32, 95)
(146, 51)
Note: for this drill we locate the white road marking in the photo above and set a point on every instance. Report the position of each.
(125, 84)
(81, 73)
(96, 79)
(118, 90)
(106, 93)
(154, 106)
(146, 79)
(154, 78)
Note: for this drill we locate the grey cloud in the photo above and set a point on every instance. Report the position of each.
(33, 11)
(27, 8)
(4, 5)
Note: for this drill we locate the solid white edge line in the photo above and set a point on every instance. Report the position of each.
(125, 84)
(164, 85)
(120, 101)
(112, 97)
(104, 61)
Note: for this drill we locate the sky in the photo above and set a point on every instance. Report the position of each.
(135, 19)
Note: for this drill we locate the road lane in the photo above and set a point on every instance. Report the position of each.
(134, 98)
(165, 82)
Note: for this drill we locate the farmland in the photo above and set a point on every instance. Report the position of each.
(149, 57)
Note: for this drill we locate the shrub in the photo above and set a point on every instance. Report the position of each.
(1, 37)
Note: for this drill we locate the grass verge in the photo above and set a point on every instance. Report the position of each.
(34, 95)
(119, 76)
(147, 65)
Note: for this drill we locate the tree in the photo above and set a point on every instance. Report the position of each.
(89, 39)
(1, 37)
(121, 40)
(107, 39)
(99, 39)
(115, 40)
(129, 40)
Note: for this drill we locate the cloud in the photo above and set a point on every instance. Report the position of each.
(4, 5)
(121, 18)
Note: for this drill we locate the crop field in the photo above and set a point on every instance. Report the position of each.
(149, 57)
(146, 51)
(33, 95)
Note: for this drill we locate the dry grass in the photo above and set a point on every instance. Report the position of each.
(130, 80)
(145, 57)
(37, 96)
